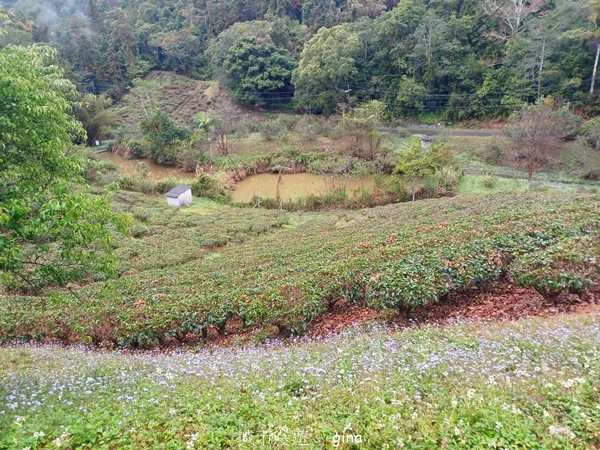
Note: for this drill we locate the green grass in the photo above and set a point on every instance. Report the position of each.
(491, 184)
(470, 184)
(394, 257)
(531, 384)
(571, 163)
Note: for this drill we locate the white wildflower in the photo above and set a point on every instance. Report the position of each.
(561, 431)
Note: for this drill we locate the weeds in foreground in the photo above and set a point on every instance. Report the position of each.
(532, 384)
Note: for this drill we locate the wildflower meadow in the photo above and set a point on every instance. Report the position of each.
(530, 384)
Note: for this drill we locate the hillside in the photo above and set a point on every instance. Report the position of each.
(449, 60)
(392, 239)
(191, 270)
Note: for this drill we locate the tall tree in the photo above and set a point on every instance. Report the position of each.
(362, 125)
(161, 135)
(591, 33)
(49, 231)
(431, 45)
(93, 113)
(226, 122)
(512, 15)
(259, 72)
(317, 14)
(327, 66)
(218, 49)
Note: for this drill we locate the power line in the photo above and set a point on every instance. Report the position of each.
(372, 90)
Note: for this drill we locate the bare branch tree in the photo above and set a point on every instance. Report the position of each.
(512, 15)
(227, 122)
(535, 133)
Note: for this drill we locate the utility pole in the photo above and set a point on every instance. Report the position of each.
(347, 91)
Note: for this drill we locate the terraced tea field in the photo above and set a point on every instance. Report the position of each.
(190, 269)
(181, 97)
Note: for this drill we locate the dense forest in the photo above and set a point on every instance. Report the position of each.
(447, 59)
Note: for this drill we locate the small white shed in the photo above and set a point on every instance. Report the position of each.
(426, 141)
(179, 196)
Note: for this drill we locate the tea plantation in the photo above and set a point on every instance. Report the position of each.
(186, 270)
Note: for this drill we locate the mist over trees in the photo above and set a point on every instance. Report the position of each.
(423, 59)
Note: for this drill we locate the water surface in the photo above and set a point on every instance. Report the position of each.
(155, 171)
(293, 186)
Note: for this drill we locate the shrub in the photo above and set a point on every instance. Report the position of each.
(137, 149)
(592, 174)
(489, 181)
(206, 186)
(569, 265)
(165, 185)
(139, 230)
(270, 130)
(494, 151)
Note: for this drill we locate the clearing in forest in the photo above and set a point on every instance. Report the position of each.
(181, 97)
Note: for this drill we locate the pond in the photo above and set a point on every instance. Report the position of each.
(297, 185)
(292, 186)
(155, 171)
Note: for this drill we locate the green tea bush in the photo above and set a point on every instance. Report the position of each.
(191, 271)
(139, 231)
(570, 265)
(165, 185)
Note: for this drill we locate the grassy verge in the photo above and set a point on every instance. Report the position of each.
(531, 384)
(269, 268)
(489, 184)
(492, 184)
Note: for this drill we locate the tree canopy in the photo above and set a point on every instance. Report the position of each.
(422, 59)
(327, 64)
(50, 232)
(259, 71)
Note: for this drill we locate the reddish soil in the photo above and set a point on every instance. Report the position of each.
(499, 302)
(508, 302)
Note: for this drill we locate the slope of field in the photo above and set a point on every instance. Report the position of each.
(526, 385)
(191, 269)
(181, 97)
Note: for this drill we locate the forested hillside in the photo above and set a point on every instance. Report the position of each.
(446, 59)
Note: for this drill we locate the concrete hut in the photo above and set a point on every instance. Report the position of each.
(179, 196)
(426, 141)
